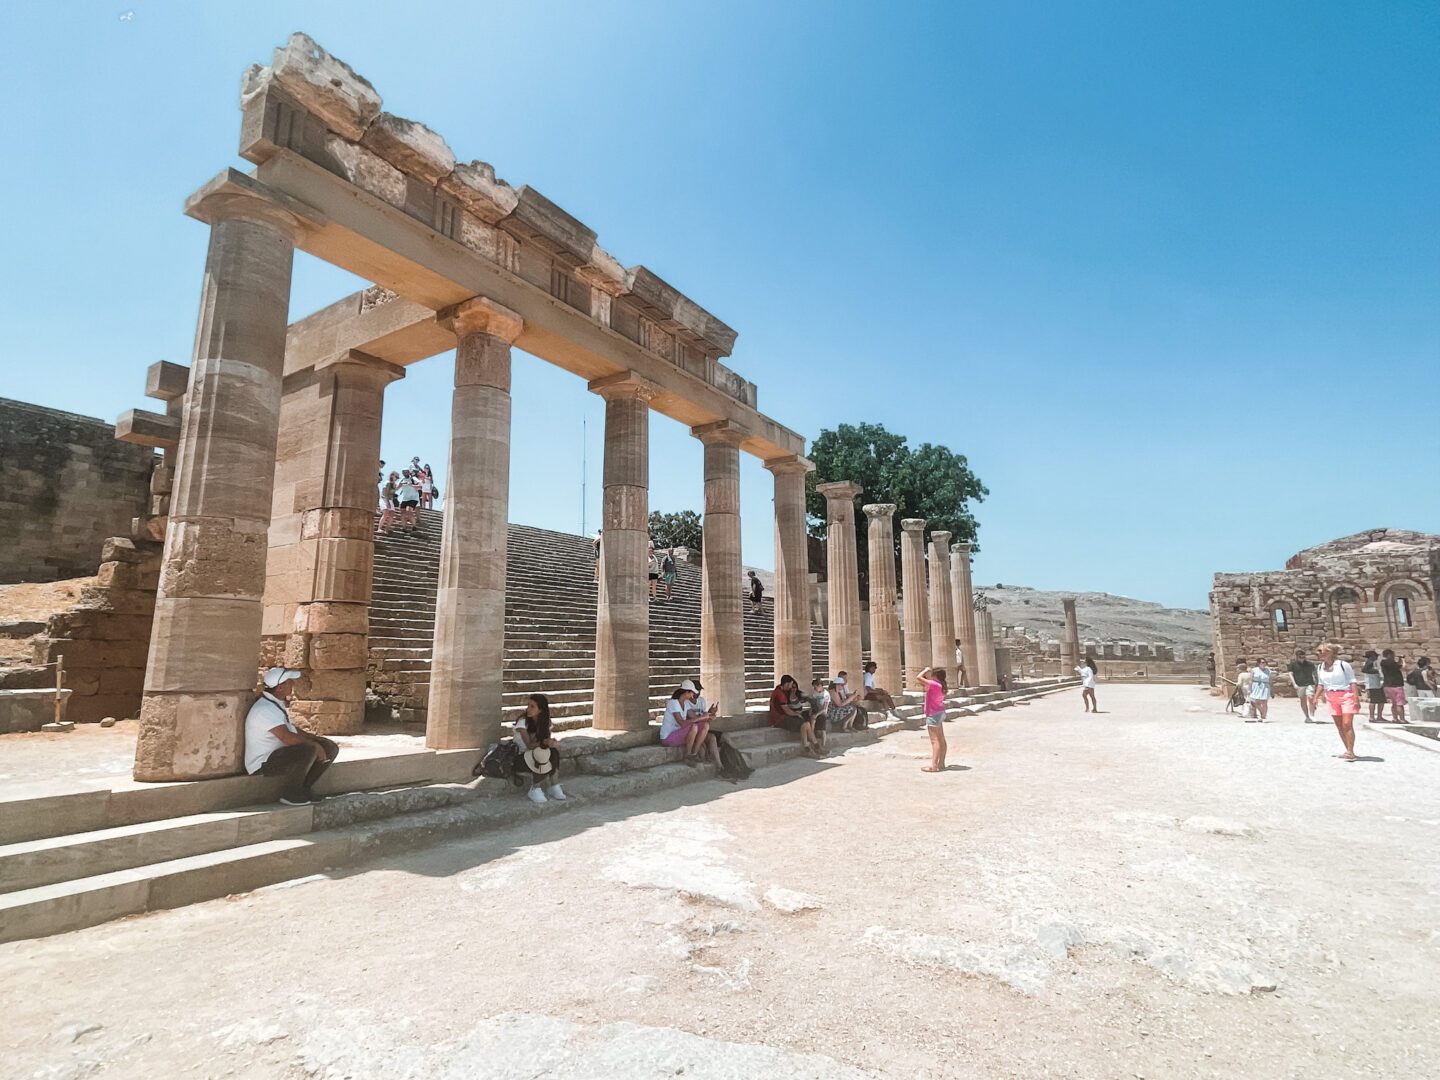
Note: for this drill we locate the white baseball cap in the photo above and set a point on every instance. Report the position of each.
(274, 676)
(688, 685)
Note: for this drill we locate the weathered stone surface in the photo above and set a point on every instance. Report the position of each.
(651, 293)
(214, 558)
(475, 187)
(537, 219)
(29, 710)
(191, 736)
(410, 146)
(20, 628)
(325, 85)
(367, 170)
(843, 580)
(166, 381)
(337, 651)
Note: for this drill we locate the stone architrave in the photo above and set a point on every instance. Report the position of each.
(466, 673)
(722, 603)
(622, 607)
(942, 617)
(329, 638)
(843, 578)
(1069, 639)
(884, 611)
(205, 643)
(962, 595)
(792, 571)
(985, 648)
(917, 606)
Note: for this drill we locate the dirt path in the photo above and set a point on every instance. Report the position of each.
(1158, 891)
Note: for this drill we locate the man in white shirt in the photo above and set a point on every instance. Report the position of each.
(276, 747)
(700, 705)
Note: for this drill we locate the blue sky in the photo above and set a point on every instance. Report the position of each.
(1168, 273)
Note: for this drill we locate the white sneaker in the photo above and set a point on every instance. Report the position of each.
(557, 792)
(536, 795)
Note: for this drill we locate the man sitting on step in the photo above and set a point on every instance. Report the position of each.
(276, 747)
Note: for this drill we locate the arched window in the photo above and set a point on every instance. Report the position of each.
(1405, 607)
(1345, 613)
(1282, 620)
(1403, 617)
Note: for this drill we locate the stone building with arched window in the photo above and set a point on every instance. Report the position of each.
(1373, 590)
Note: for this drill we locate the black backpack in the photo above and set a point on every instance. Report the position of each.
(499, 761)
(733, 765)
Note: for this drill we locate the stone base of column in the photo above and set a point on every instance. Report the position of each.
(190, 736)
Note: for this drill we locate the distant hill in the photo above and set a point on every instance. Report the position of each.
(1101, 616)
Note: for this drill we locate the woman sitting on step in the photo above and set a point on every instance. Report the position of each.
(844, 705)
(688, 726)
(538, 765)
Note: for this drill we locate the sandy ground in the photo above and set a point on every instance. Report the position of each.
(1157, 891)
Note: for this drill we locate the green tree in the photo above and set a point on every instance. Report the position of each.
(683, 529)
(929, 481)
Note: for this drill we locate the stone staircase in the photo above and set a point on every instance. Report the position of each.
(549, 627)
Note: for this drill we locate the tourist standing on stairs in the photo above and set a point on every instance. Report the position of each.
(1086, 670)
(1337, 682)
(654, 571)
(1374, 686)
(1392, 676)
(427, 489)
(409, 496)
(757, 592)
(1302, 674)
(276, 747)
(390, 501)
(599, 535)
(667, 573)
(538, 763)
(1260, 679)
(935, 691)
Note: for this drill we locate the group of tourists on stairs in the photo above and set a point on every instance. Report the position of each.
(404, 495)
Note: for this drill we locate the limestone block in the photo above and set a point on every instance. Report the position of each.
(214, 557)
(356, 524)
(367, 170)
(325, 85)
(83, 683)
(148, 528)
(148, 429)
(119, 601)
(332, 618)
(91, 653)
(410, 146)
(297, 651)
(489, 242)
(333, 686)
(704, 326)
(537, 219)
(475, 187)
(652, 294)
(119, 549)
(124, 575)
(337, 651)
(162, 480)
(603, 271)
(122, 681)
(221, 637)
(28, 710)
(1425, 710)
(165, 381)
(191, 736)
(272, 651)
(328, 717)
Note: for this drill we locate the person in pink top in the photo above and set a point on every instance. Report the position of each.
(935, 691)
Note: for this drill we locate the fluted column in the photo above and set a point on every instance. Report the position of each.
(722, 603)
(884, 612)
(917, 606)
(622, 606)
(329, 639)
(842, 577)
(985, 647)
(792, 571)
(205, 641)
(962, 594)
(942, 618)
(467, 662)
(1069, 639)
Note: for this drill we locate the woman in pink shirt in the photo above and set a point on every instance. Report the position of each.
(935, 691)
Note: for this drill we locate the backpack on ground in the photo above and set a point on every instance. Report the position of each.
(499, 761)
(733, 765)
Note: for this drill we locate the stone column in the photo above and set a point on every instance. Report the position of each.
(622, 607)
(842, 578)
(792, 571)
(205, 642)
(917, 607)
(962, 596)
(1069, 639)
(722, 602)
(329, 637)
(942, 617)
(467, 661)
(985, 647)
(884, 612)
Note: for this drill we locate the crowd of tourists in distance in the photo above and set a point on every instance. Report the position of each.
(403, 495)
(1384, 676)
(662, 570)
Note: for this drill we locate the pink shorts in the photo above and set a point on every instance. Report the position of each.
(677, 737)
(1396, 694)
(1342, 702)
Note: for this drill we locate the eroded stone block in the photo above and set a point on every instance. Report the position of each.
(324, 84)
(410, 146)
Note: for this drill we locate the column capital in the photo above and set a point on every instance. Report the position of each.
(1067, 602)
(913, 525)
(941, 537)
(839, 490)
(879, 510)
(788, 465)
(232, 195)
(353, 361)
(480, 315)
(720, 433)
(623, 386)
(960, 547)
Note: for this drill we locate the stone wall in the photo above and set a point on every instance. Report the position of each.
(1374, 590)
(65, 485)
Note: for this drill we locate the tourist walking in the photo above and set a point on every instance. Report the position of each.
(274, 746)
(667, 573)
(1421, 679)
(654, 571)
(1392, 677)
(409, 496)
(878, 693)
(687, 727)
(1086, 670)
(1260, 679)
(1302, 675)
(1374, 686)
(1336, 681)
(784, 714)
(537, 766)
(757, 591)
(390, 503)
(932, 681)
